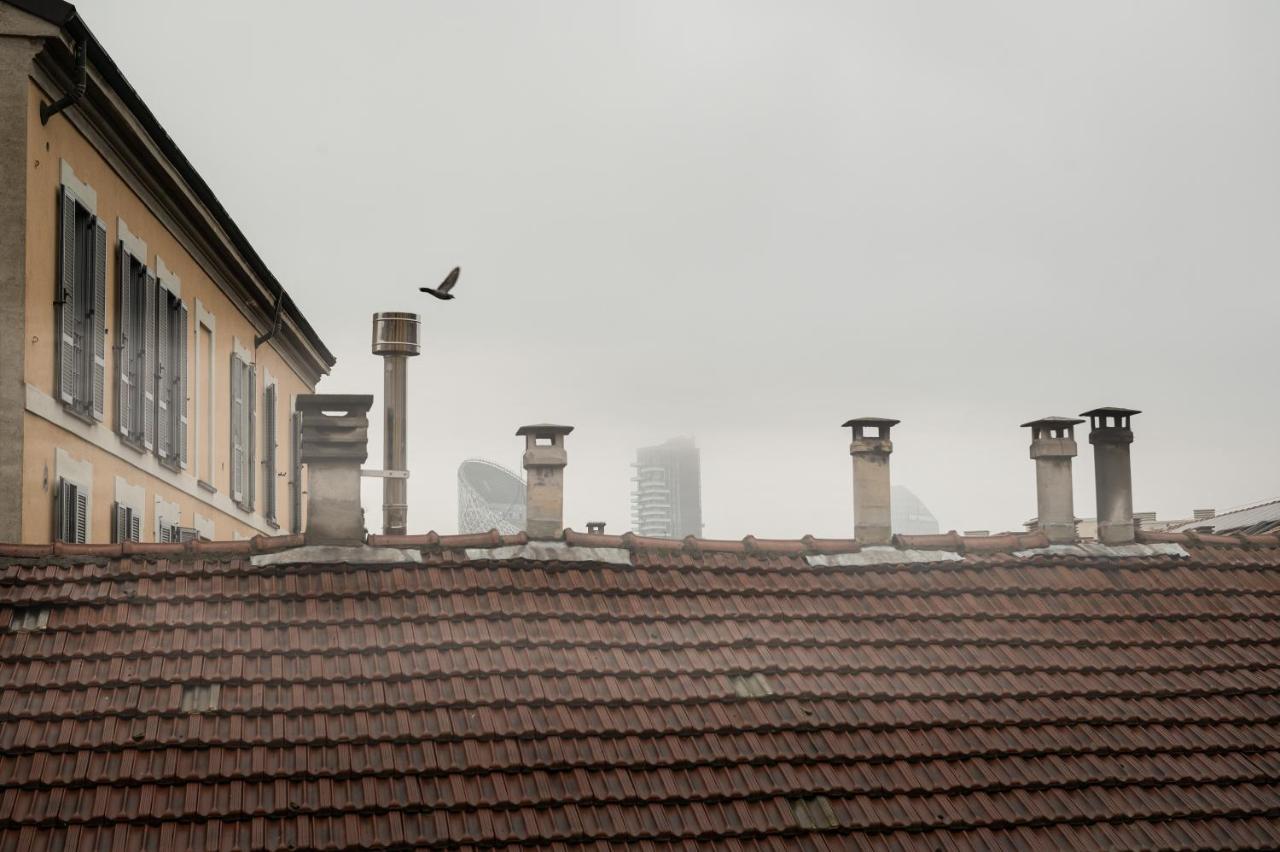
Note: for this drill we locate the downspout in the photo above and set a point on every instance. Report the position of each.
(48, 111)
(260, 339)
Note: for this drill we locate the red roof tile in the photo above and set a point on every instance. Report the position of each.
(717, 694)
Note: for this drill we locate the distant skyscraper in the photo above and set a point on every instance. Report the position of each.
(490, 497)
(667, 498)
(909, 515)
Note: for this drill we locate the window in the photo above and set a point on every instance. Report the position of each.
(71, 512)
(135, 352)
(243, 394)
(126, 524)
(171, 378)
(295, 472)
(81, 307)
(269, 452)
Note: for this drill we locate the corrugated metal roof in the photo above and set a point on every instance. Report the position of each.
(1261, 518)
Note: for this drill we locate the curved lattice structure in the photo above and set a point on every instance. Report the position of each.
(490, 497)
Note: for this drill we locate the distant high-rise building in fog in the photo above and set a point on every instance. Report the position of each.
(667, 498)
(490, 497)
(910, 516)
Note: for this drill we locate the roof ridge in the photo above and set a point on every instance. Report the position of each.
(951, 541)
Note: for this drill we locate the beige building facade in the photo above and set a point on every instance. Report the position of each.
(148, 359)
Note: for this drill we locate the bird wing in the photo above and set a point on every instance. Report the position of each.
(450, 280)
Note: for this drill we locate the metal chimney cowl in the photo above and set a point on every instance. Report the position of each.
(334, 444)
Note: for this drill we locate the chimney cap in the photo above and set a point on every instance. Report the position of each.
(871, 421)
(1110, 411)
(544, 429)
(1054, 421)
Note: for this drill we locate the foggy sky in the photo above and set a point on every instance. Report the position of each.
(748, 222)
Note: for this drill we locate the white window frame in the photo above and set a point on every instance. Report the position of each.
(168, 518)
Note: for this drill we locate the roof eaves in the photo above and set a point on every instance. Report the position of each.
(65, 15)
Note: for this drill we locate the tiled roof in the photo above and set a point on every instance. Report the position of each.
(747, 695)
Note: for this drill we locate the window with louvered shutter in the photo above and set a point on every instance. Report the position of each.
(131, 336)
(295, 473)
(68, 309)
(180, 402)
(81, 303)
(237, 429)
(164, 373)
(269, 452)
(71, 513)
(127, 524)
(171, 379)
(149, 295)
(98, 326)
(251, 433)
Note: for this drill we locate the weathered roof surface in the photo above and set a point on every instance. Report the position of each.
(1261, 517)
(948, 693)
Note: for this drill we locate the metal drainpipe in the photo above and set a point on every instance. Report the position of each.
(48, 111)
(395, 338)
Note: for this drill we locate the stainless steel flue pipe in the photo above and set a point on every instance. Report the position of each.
(395, 338)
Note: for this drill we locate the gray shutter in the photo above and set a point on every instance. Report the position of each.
(164, 374)
(82, 514)
(295, 473)
(269, 452)
(251, 431)
(67, 308)
(98, 281)
(120, 524)
(148, 360)
(126, 314)
(237, 425)
(135, 526)
(180, 384)
(62, 505)
(166, 531)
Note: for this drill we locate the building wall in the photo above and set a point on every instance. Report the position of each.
(47, 428)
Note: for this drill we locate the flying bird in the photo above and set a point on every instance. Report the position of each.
(442, 292)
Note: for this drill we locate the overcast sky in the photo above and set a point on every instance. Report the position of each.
(749, 222)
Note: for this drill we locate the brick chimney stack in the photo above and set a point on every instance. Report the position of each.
(1053, 446)
(544, 463)
(1111, 436)
(870, 449)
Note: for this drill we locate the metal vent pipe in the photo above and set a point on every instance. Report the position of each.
(395, 338)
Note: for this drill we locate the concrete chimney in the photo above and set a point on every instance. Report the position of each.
(595, 527)
(870, 449)
(1053, 446)
(1110, 435)
(544, 462)
(334, 444)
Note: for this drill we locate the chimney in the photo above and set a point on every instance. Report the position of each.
(595, 527)
(395, 338)
(334, 444)
(872, 522)
(1053, 446)
(1110, 435)
(544, 463)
